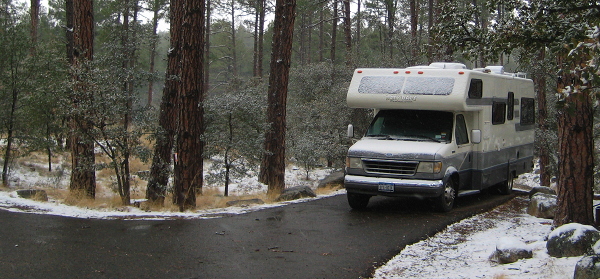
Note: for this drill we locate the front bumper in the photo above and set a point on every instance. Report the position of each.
(401, 187)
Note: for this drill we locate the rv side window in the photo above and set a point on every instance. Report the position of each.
(510, 113)
(462, 136)
(527, 111)
(476, 89)
(498, 113)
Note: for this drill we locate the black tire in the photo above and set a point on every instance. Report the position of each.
(445, 202)
(358, 201)
(505, 188)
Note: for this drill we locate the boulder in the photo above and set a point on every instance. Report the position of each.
(38, 195)
(572, 240)
(244, 202)
(510, 250)
(542, 205)
(541, 189)
(295, 193)
(335, 178)
(588, 267)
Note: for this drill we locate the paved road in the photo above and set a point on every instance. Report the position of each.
(317, 239)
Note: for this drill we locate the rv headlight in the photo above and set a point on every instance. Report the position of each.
(353, 163)
(430, 167)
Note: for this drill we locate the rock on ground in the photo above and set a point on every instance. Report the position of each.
(297, 192)
(572, 240)
(510, 250)
(542, 205)
(588, 267)
(335, 178)
(38, 195)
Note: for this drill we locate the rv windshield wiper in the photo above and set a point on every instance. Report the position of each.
(383, 137)
(423, 137)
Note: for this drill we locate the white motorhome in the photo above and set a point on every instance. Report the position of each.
(439, 132)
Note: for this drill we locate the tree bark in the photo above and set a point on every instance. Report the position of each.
(273, 163)
(234, 70)
(391, 8)
(190, 146)
(334, 24)
(35, 19)
(430, 22)
(165, 136)
(83, 176)
(348, 32)
(539, 80)
(321, 35)
(261, 37)
(414, 25)
(358, 28)
(207, 47)
(576, 149)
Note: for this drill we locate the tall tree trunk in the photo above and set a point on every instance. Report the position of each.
(414, 25)
(348, 32)
(261, 38)
(273, 163)
(69, 30)
(128, 41)
(255, 39)
(165, 136)
(83, 176)
(35, 19)
(11, 128)
(234, 70)
(334, 24)
(190, 146)
(576, 152)
(391, 9)
(309, 49)
(321, 35)
(153, 42)
(539, 80)
(302, 41)
(207, 47)
(430, 22)
(358, 27)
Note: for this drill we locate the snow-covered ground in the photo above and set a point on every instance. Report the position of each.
(462, 250)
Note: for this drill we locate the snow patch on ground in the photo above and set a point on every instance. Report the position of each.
(463, 250)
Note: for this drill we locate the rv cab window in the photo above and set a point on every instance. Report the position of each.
(462, 136)
(412, 125)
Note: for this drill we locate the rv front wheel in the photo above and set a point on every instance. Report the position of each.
(358, 201)
(445, 202)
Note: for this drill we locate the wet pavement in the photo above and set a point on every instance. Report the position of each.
(318, 239)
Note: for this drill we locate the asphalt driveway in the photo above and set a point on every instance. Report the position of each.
(318, 239)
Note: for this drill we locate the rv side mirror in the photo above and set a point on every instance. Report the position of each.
(476, 136)
(350, 131)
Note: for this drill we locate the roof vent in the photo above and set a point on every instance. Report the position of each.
(496, 69)
(446, 65)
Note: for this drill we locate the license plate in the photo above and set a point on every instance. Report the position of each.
(386, 187)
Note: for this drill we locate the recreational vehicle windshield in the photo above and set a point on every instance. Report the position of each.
(439, 132)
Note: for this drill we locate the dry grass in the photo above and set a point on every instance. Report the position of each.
(329, 189)
(107, 196)
(81, 200)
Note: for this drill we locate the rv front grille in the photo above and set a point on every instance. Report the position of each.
(390, 167)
